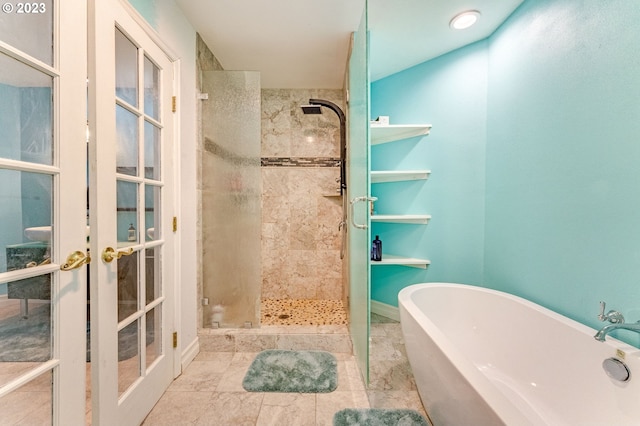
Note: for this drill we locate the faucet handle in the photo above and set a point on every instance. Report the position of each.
(601, 316)
(612, 316)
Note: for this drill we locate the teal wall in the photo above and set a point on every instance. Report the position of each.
(449, 92)
(148, 9)
(562, 157)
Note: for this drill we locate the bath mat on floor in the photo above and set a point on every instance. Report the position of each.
(292, 371)
(378, 417)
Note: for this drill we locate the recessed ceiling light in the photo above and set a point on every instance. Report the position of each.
(464, 20)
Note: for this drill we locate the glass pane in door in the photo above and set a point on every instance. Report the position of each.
(152, 212)
(126, 69)
(30, 404)
(127, 285)
(25, 326)
(27, 112)
(151, 151)
(126, 141)
(26, 217)
(153, 281)
(128, 356)
(28, 26)
(153, 335)
(127, 212)
(151, 89)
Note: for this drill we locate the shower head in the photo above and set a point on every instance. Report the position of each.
(311, 109)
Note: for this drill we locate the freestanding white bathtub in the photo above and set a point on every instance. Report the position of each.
(483, 357)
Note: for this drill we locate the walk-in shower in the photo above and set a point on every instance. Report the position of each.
(315, 107)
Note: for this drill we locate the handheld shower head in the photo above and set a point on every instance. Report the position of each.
(311, 109)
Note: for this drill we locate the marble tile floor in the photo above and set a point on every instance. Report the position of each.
(210, 392)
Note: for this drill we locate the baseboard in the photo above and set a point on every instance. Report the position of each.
(385, 310)
(190, 353)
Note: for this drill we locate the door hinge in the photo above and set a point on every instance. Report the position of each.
(175, 339)
(175, 224)
(174, 107)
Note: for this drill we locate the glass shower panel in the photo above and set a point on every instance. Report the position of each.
(358, 176)
(231, 198)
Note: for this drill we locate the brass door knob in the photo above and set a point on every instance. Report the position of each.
(76, 260)
(109, 254)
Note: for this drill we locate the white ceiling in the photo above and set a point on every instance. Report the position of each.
(305, 43)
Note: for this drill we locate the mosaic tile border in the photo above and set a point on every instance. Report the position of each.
(299, 162)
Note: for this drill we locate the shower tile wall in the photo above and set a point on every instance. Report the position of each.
(300, 209)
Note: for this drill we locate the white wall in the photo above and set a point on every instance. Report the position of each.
(178, 34)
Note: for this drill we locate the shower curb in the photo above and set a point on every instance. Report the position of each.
(333, 339)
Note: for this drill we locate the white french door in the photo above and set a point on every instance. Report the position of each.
(43, 240)
(132, 207)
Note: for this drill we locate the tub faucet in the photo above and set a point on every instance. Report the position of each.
(620, 326)
(617, 323)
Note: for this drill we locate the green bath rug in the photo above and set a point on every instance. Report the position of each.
(292, 371)
(378, 417)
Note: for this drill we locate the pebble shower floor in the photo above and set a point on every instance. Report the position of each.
(302, 312)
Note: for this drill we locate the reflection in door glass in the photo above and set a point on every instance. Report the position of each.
(152, 274)
(25, 228)
(25, 326)
(30, 404)
(126, 69)
(151, 151)
(152, 212)
(128, 356)
(127, 212)
(28, 26)
(151, 89)
(127, 285)
(153, 335)
(126, 142)
(26, 118)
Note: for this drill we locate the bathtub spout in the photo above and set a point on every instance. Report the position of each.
(622, 326)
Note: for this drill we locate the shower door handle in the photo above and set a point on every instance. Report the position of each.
(353, 203)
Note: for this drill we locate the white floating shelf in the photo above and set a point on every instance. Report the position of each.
(418, 219)
(395, 132)
(384, 176)
(388, 259)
